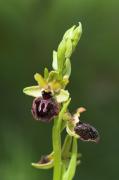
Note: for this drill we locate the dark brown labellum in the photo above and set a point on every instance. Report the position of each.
(44, 108)
(86, 132)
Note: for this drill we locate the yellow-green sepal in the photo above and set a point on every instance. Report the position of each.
(34, 91)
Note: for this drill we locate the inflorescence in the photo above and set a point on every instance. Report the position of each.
(50, 103)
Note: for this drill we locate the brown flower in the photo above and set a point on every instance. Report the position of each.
(86, 132)
(45, 108)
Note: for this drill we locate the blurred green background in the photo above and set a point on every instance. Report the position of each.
(29, 31)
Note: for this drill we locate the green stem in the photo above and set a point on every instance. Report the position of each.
(57, 142)
(57, 150)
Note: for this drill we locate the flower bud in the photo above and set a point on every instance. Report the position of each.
(45, 108)
(86, 132)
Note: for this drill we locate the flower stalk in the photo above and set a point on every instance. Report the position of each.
(51, 103)
(57, 150)
(57, 142)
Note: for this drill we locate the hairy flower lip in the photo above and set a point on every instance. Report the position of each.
(45, 108)
(87, 132)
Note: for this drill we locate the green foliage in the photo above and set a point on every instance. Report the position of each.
(29, 30)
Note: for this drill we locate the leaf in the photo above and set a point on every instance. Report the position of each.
(40, 80)
(55, 63)
(73, 162)
(63, 96)
(34, 91)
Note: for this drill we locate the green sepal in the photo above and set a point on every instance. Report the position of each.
(34, 91)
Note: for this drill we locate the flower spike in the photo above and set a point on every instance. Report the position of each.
(51, 103)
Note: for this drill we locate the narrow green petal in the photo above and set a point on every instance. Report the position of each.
(34, 91)
(40, 80)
